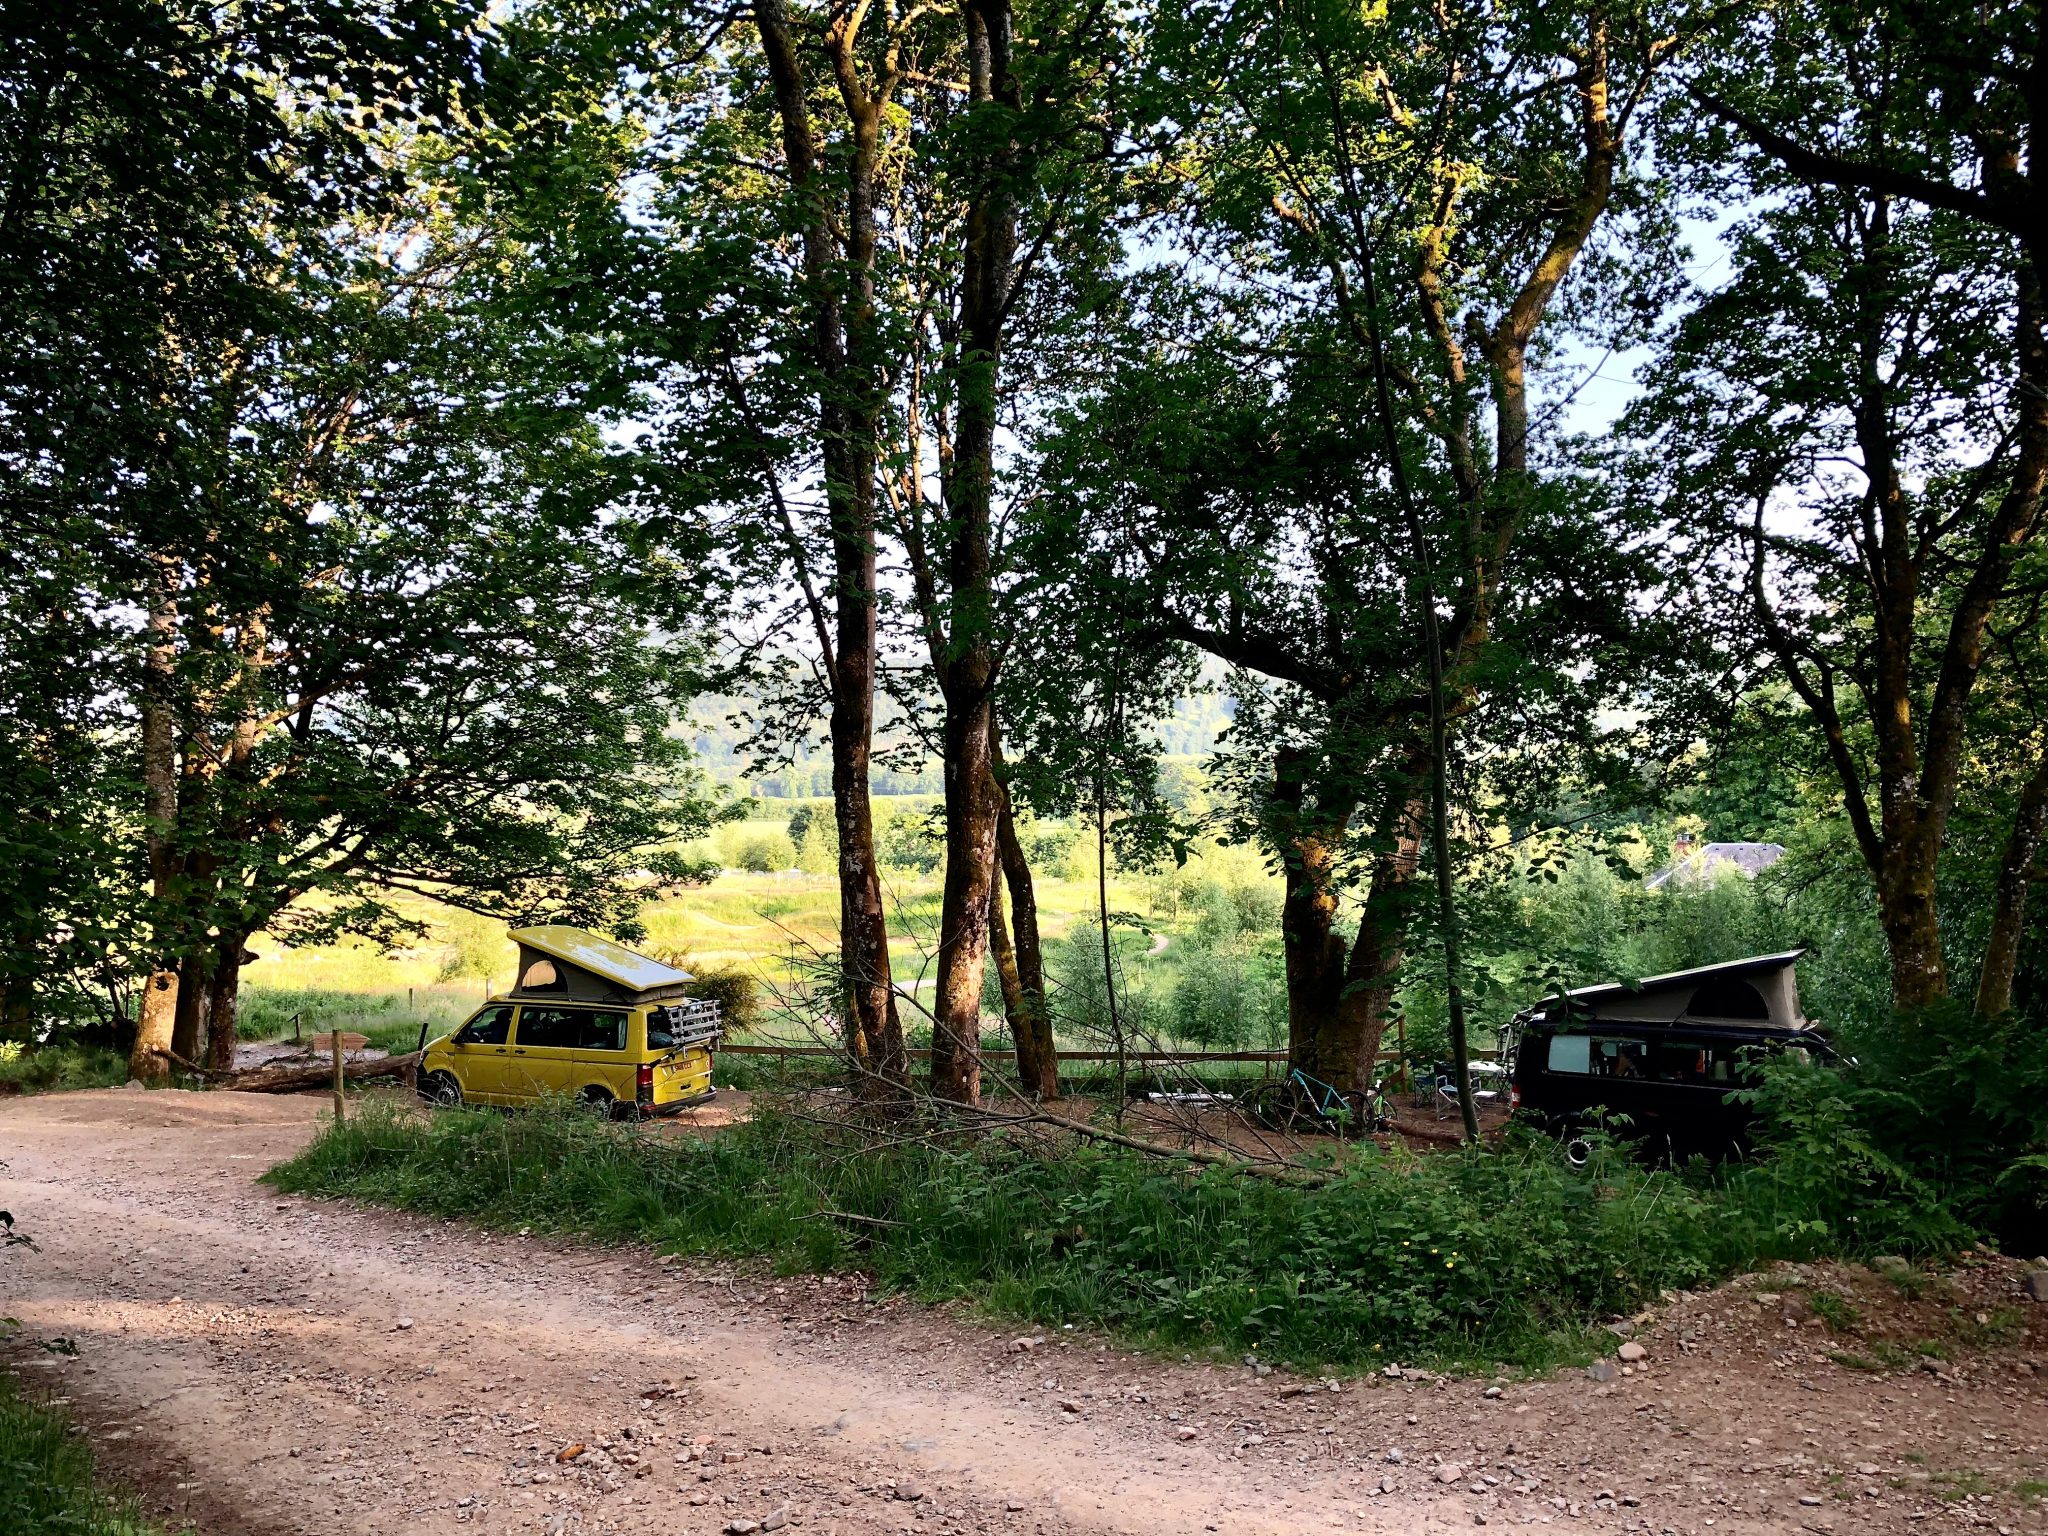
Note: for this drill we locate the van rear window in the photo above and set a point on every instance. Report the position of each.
(1571, 1053)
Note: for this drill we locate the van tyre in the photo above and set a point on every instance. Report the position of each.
(599, 1103)
(441, 1090)
(1578, 1152)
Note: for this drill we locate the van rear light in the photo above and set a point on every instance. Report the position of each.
(643, 1084)
(1514, 1095)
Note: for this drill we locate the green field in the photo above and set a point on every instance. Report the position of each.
(772, 927)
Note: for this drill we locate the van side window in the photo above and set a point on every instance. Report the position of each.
(603, 1032)
(551, 1028)
(487, 1028)
(1571, 1053)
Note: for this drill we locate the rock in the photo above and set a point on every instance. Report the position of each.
(1184, 1433)
(403, 1324)
(1632, 1352)
(909, 1493)
(1495, 1391)
(1811, 1500)
(1026, 1345)
(1450, 1472)
(1866, 1469)
(741, 1527)
(1602, 1370)
(570, 1452)
(1068, 1405)
(133, 1085)
(776, 1521)
(2035, 1286)
(1395, 1456)
(1294, 1389)
(1386, 1485)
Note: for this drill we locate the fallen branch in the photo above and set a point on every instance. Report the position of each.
(190, 1066)
(853, 1216)
(292, 1079)
(1274, 1169)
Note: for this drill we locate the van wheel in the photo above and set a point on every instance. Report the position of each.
(599, 1103)
(1578, 1152)
(441, 1090)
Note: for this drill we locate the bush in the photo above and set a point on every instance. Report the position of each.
(737, 994)
(910, 840)
(1228, 996)
(60, 1067)
(763, 853)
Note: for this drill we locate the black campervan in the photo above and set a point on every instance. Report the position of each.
(1662, 1057)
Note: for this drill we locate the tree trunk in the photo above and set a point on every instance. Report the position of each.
(157, 1013)
(1912, 924)
(971, 810)
(1373, 973)
(967, 668)
(839, 248)
(188, 1017)
(1038, 1067)
(1321, 1038)
(2009, 904)
(224, 1003)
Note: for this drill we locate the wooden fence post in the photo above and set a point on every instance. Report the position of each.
(340, 1098)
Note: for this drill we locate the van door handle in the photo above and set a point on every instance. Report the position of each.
(518, 1050)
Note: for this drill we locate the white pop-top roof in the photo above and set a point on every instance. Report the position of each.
(1724, 968)
(601, 957)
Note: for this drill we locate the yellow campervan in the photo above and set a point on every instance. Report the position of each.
(587, 1019)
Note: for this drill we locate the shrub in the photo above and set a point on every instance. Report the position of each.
(763, 853)
(737, 994)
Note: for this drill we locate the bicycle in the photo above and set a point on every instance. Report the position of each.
(1298, 1104)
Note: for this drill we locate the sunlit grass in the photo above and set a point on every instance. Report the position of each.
(46, 1478)
(771, 926)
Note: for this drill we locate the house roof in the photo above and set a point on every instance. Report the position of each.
(601, 957)
(1707, 860)
(1746, 966)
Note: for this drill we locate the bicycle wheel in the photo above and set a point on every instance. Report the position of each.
(1262, 1104)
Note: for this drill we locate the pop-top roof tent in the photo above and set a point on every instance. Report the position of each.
(1760, 990)
(559, 961)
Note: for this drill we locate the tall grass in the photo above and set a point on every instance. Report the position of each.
(1472, 1256)
(46, 1478)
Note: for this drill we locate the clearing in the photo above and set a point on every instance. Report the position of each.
(259, 1364)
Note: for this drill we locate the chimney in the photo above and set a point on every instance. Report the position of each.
(1683, 846)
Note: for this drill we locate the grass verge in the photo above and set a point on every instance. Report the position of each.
(1470, 1258)
(47, 1486)
(60, 1068)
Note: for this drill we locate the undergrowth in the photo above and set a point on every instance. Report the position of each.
(1472, 1257)
(61, 1067)
(46, 1478)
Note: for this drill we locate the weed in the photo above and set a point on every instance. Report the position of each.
(1910, 1282)
(1957, 1486)
(46, 1478)
(2030, 1491)
(1837, 1311)
(1988, 1330)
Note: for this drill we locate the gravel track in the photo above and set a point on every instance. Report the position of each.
(260, 1364)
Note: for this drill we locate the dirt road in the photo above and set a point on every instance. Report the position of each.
(260, 1364)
